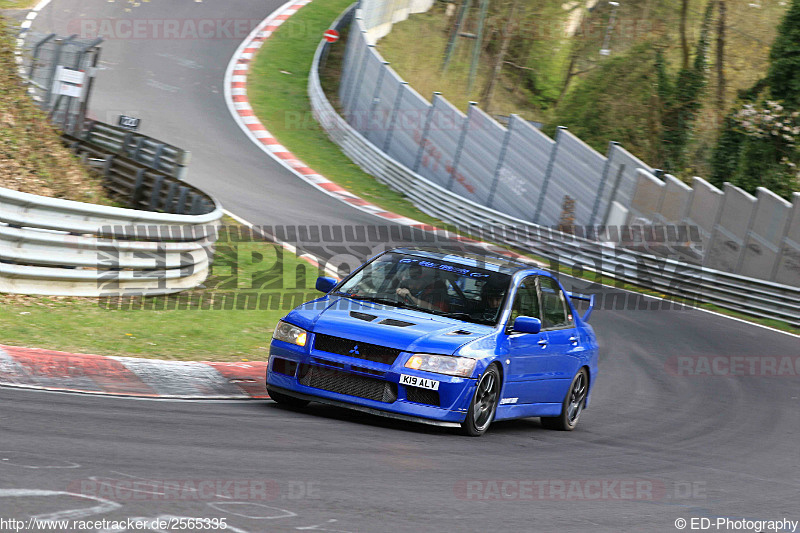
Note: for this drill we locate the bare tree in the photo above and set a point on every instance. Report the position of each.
(682, 29)
(488, 93)
(721, 84)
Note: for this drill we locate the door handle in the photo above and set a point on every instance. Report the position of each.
(573, 339)
(542, 343)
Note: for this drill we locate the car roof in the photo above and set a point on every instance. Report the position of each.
(498, 263)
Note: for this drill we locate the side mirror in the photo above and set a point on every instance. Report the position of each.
(325, 284)
(527, 324)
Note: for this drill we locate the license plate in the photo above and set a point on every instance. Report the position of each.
(422, 383)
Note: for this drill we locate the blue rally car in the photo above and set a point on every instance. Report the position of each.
(441, 338)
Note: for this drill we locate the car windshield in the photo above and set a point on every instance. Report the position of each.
(469, 293)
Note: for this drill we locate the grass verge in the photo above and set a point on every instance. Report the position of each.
(253, 283)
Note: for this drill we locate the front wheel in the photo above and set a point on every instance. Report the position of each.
(484, 404)
(288, 401)
(573, 405)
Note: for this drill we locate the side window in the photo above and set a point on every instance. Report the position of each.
(526, 301)
(556, 314)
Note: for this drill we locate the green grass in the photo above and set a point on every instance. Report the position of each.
(87, 325)
(17, 4)
(277, 90)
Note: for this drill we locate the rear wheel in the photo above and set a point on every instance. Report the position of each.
(484, 404)
(573, 405)
(288, 401)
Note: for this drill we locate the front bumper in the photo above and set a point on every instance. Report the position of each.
(396, 400)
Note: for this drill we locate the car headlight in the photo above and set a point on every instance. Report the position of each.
(290, 333)
(442, 364)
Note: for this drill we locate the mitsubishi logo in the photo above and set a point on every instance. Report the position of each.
(354, 351)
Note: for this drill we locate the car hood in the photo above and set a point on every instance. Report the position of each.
(403, 329)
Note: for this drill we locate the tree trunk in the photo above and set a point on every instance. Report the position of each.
(684, 42)
(721, 85)
(488, 93)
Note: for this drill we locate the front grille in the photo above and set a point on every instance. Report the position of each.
(418, 395)
(351, 348)
(346, 383)
(284, 366)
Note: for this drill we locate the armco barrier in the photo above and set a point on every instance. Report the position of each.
(141, 186)
(61, 247)
(670, 277)
(153, 153)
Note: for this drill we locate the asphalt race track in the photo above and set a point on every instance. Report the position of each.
(658, 443)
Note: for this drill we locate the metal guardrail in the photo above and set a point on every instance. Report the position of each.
(61, 247)
(153, 153)
(139, 184)
(673, 278)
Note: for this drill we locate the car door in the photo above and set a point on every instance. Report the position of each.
(563, 342)
(529, 354)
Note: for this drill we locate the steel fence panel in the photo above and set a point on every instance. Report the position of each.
(726, 248)
(474, 174)
(787, 270)
(577, 171)
(763, 243)
(444, 131)
(408, 125)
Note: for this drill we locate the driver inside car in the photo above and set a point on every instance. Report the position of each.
(422, 288)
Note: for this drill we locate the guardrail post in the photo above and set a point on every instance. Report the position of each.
(375, 93)
(501, 158)
(460, 147)
(397, 100)
(606, 168)
(182, 163)
(617, 181)
(425, 130)
(550, 164)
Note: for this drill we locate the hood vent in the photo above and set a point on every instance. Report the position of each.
(396, 323)
(461, 332)
(363, 316)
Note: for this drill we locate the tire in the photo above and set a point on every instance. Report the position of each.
(573, 404)
(484, 404)
(288, 401)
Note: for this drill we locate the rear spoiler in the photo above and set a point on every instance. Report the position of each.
(590, 299)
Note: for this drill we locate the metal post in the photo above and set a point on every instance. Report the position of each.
(35, 57)
(376, 92)
(89, 84)
(451, 43)
(550, 164)
(460, 147)
(356, 85)
(611, 198)
(603, 180)
(476, 47)
(397, 100)
(501, 158)
(51, 78)
(425, 130)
